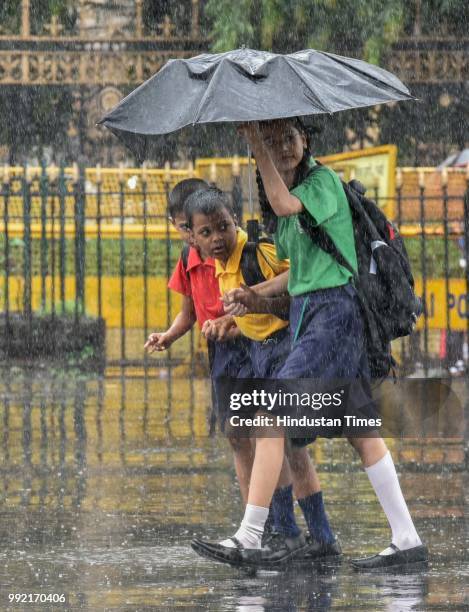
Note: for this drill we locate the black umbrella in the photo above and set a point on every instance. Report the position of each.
(246, 85)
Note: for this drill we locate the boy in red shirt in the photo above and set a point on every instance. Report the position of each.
(195, 280)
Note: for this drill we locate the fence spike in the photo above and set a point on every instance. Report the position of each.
(235, 167)
(398, 177)
(53, 172)
(213, 172)
(121, 172)
(421, 179)
(167, 172)
(444, 176)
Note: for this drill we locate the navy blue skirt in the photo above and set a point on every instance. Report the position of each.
(229, 359)
(328, 344)
(327, 338)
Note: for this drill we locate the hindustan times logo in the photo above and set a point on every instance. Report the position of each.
(281, 399)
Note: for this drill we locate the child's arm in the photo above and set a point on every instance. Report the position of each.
(283, 203)
(273, 287)
(182, 323)
(239, 302)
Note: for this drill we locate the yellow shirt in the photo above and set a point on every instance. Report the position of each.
(254, 326)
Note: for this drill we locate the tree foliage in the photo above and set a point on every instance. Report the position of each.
(340, 26)
(364, 28)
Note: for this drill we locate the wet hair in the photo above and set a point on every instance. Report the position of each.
(179, 194)
(207, 202)
(269, 218)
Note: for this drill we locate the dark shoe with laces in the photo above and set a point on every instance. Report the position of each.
(412, 557)
(320, 550)
(278, 550)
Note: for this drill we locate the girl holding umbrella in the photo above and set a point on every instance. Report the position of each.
(325, 320)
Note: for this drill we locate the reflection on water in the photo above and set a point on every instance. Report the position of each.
(104, 481)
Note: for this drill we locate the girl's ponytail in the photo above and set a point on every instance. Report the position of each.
(269, 218)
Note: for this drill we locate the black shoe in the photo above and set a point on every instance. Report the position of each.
(418, 555)
(269, 531)
(235, 556)
(270, 556)
(320, 550)
(279, 548)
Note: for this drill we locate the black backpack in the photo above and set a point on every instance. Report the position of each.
(384, 283)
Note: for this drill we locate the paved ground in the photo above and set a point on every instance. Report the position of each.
(103, 486)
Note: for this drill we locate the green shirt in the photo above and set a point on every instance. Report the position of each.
(322, 195)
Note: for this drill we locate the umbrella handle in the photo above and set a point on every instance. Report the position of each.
(251, 203)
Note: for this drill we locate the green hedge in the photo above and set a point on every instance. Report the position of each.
(157, 252)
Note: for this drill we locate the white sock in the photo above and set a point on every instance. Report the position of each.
(385, 482)
(251, 528)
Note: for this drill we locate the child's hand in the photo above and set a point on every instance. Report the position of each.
(242, 300)
(218, 330)
(251, 133)
(235, 309)
(158, 342)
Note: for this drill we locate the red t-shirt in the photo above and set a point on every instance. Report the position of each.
(200, 283)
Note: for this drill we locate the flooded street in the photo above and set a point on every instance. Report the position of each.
(104, 481)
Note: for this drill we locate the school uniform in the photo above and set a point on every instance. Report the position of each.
(198, 281)
(269, 341)
(325, 320)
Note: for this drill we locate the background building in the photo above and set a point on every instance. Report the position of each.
(63, 64)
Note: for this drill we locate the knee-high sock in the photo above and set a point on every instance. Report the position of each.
(385, 482)
(316, 518)
(284, 513)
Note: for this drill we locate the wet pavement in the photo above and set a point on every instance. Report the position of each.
(104, 481)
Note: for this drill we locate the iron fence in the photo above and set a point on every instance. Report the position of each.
(94, 242)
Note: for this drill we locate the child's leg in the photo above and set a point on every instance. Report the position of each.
(379, 466)
(304, 475)
(309, 495)
(283, 513)
(266, 470)
(265, 473)
(243, 456)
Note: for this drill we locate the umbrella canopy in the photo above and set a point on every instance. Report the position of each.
(456, 160)
(247, 85)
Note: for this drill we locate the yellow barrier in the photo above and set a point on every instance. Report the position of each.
(458, 302)
(375, 167)
(158, 306)
(111, 296)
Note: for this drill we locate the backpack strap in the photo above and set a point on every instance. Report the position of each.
(185, 257)
(322, 239)
(319, 235)
(249, 264)
(252, 272)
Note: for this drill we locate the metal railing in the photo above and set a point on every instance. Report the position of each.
(97, 242)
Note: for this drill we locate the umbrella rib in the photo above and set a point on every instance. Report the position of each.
(356, 70)
(317, 97)
(207, 93)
